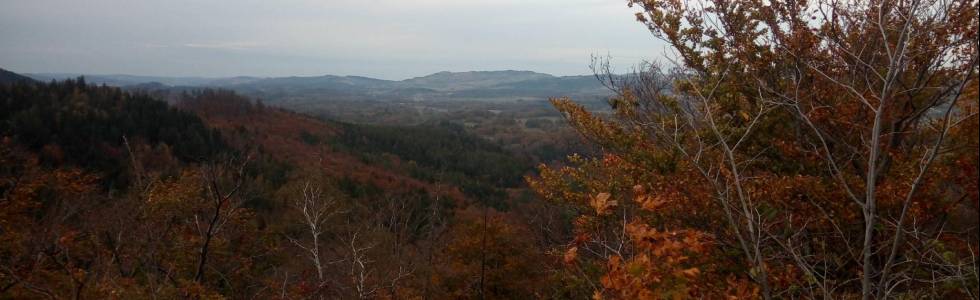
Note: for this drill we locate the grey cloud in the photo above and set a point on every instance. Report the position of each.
(383, 38)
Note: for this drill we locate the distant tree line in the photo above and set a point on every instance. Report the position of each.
(86, 125)
(440, 152)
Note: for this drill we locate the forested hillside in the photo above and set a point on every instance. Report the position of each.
(113, 194)
(779, 150)
(290, 91)
(11, 77)
(443, 153)
(73, 123)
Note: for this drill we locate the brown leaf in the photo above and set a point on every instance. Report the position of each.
(650, 202)
(571, 255)
(692, 272)
(639, 189)
(602, 204)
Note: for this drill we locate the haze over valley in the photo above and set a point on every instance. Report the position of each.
(489, 149)
(474, 85)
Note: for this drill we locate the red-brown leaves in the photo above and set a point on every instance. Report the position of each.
(662, 267)
(602, 204)
(769, 141)
(647, 201)
(571, 255)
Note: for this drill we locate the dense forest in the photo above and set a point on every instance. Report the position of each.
(445, 152)
(116, 194)
(789, 150)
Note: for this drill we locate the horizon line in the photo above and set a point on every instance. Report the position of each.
(77, 74)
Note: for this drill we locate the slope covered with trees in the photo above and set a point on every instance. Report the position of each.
(7, 77)
(444, 152)
(790, 149)
(112, 194)
(73, 123)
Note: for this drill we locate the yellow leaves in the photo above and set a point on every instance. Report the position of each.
(602, 204)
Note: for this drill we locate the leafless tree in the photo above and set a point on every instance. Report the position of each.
(316, 209)
(222, 184)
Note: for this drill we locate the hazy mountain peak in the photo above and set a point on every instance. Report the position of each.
(498, 85)
(11, 77)
(485, 73)
(446, 80)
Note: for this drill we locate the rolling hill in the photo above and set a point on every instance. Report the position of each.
(441, 86)
(11, 77)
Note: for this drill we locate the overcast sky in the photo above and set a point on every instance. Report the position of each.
(391, 39)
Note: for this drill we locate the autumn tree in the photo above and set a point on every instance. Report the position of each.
(316, 210)
(44, 254)
(490, 257)
(805, 147)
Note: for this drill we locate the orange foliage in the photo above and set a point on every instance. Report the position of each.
(281, 133)
(783, 161)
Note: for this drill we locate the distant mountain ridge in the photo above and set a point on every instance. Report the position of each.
(11, 77)
(474, 79)
(471, 85)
